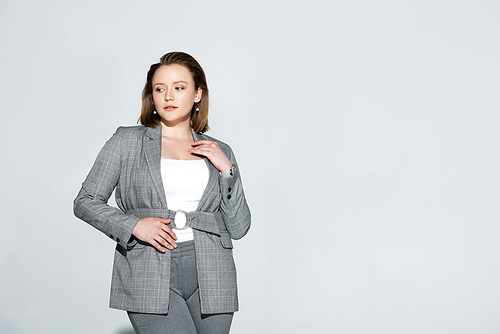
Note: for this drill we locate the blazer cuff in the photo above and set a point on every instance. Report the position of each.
(122, 234)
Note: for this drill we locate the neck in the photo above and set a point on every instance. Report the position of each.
(180, 130)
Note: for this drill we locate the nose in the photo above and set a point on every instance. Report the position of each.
(168, 95)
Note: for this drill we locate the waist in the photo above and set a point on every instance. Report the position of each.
(211, 222)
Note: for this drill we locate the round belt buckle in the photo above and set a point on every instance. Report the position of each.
(180, 219)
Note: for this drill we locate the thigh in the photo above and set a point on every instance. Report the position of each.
(219, 323)
(177, 321)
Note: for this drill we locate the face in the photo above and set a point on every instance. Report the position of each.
(174, 93)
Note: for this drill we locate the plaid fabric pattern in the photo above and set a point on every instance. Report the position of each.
(131, 162)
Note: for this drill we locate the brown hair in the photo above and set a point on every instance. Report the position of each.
(199, 119)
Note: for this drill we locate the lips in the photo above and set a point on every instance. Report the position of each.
(170, 108)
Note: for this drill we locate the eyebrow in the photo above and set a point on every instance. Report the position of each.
(175, 82)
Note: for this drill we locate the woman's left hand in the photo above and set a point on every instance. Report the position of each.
(213, 152)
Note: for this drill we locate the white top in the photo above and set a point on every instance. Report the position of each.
(184, 182)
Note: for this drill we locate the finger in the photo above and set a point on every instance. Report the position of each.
(202, 142)
(198, 147)
(158, 246)
(169, 231)
(204, 150)
(163, 220)
(166, 241)
(168, 238)
(167, 228)
(200, 152)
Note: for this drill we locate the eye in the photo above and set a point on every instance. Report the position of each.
(179, 88)
(159, 89)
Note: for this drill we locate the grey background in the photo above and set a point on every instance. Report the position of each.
(372, 124)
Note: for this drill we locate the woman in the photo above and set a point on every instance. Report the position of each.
(180, 200)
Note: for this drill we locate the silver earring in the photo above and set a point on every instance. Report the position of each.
(196, 106)
(154, 110)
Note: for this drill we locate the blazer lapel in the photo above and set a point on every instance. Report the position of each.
(213, 176)
(152, 152)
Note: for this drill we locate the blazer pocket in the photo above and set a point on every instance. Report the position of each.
(226, 241)
(136, 244)
(140, 244)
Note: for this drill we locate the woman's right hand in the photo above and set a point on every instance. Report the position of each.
(156, 232)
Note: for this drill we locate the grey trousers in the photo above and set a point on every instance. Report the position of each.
(184, 311)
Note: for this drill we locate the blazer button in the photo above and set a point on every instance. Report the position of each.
(229, 189)
(228, 196)
(112, 237)
(118, 240)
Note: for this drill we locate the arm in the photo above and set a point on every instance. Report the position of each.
(91, 205)
(234, 208)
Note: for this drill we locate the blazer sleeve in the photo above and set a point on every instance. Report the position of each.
(234, 208)
(91, 205)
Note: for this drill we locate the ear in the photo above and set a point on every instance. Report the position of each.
(198, 94)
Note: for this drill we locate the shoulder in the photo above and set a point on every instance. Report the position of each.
(130, 132)
(127, 137)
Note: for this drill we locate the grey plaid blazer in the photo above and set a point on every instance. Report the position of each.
(131, 162)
